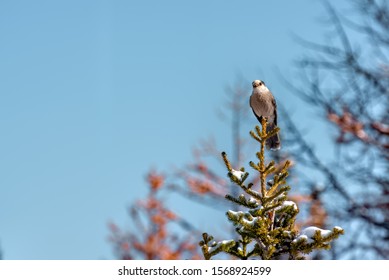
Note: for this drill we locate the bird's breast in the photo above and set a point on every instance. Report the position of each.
(262, 104)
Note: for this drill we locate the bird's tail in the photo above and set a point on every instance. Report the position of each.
(274, 142)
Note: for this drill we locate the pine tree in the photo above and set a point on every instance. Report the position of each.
(266, 230)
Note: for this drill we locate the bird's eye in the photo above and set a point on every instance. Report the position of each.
(260, 83)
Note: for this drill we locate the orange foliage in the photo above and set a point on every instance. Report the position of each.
(348, 124)
(200, 187)
(155, 181)
(151, 238)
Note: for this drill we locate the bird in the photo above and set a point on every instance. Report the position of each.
(263, 104)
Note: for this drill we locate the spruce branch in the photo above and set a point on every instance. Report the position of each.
(226, 161)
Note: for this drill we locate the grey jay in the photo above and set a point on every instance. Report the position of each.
(264, 105)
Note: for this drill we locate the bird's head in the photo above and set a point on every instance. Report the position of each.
(259, 85)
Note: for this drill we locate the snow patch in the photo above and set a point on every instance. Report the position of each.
(253, 202)
(218, 245)
(309, 232)
(237, 174)
(247, 219)
(287, 203)
(300, 237)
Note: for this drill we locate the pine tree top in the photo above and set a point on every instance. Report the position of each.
(266, 224)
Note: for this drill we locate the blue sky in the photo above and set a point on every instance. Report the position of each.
(95, 93)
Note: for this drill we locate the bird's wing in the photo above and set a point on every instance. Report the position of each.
(252, 97)
(251, 100)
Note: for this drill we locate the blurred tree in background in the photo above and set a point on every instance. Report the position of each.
(347, 79)
(152, 237)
